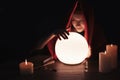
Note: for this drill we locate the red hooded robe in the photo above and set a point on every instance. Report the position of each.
(88, 29)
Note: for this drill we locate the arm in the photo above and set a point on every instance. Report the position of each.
(57, 33)
(45, 40)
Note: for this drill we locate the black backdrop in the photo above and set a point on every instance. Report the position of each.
(23, 24)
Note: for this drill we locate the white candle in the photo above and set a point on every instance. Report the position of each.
(104, 62)
(26, 67)
(112, 52)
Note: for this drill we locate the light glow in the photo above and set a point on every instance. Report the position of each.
(73, 50)
(25, 61)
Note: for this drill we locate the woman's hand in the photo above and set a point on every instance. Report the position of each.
(61, 33)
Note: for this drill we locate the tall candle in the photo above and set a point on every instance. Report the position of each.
(112, 52)
(104, 62)
(26, 67)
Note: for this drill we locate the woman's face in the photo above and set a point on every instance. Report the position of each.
(78, 22)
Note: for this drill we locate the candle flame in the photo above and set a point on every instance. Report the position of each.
(111, 45)
(105, 52)
(26, 61)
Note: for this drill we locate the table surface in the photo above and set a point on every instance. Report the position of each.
(57, 71)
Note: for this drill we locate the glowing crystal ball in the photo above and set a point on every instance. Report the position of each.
(73, 50)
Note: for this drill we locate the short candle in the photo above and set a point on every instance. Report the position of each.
(26, 67)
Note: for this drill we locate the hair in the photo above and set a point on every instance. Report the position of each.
(81, 7)
(70, 27)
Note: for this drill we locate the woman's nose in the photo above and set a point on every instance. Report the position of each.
(78, 24)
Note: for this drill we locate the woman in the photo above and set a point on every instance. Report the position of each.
(78, 22)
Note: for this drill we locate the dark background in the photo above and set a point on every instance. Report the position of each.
(23, 24)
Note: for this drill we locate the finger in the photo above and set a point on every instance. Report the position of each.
(67, 32)
(59, 37)
(64, 36)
